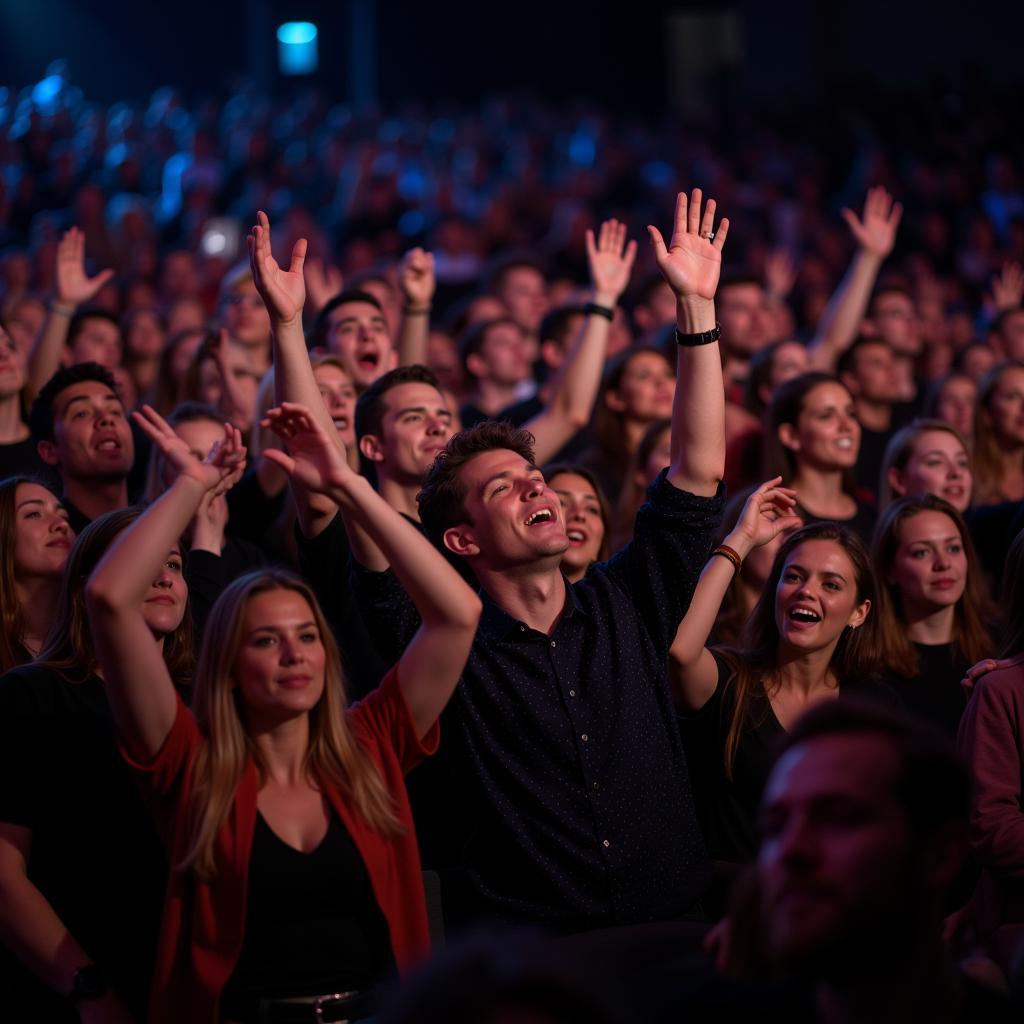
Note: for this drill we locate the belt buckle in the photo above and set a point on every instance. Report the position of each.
(329, 1000)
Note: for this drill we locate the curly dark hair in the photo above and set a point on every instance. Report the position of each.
(40, 417)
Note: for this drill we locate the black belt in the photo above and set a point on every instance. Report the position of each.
(334, 1008)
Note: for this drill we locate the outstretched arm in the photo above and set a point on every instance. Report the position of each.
(432, 664)
(692, 671)
(875, 236)
(140, 691)
(417, 281)
(691, 264)
(576, 384)
(74, 288)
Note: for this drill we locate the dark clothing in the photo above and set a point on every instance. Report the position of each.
(252, 513)
(573, 783)
(208, 574)
(312, 921)
(993, 529)
(22, 459)
(862, 523)
(935, 693)
(95, 852)
(77, 519)
(869, 459)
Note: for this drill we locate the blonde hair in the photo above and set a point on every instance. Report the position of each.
(334, 757)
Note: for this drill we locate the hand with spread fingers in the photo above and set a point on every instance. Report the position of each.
(692, 261)
(767, 513)
(1008, 288)
(283, 291)
(74, 286)
(312, 458)
(610, 258)
(875, 233)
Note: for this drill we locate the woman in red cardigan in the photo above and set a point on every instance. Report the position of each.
(295, 873)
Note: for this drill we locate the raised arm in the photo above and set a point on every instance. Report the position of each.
(574, 389)
(875, 235)
(74, 287)
(691, 265)
(432, 664)
(138, 686)
(417, 282)
(692, 671)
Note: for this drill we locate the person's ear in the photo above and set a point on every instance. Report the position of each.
(896, 482)
(859, 615)
(370, 446)
(788, 436)
(551, 355)
(850, 382)
(461, 540)
(614, 401)
(476, 366)
(48, 452)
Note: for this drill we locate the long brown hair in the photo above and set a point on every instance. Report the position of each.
(12, 620)
(970, 636)
(631, 497)
(334, 757)
(757, 658)
(900, 450)
(988, 462)
(68, 647)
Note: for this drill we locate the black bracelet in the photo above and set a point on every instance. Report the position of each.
(704, 338)
(593, 308)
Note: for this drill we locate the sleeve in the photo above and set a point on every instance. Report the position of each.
(163, 780)
(20, 746)
(252, 513)
(205, 576)
(383, 718)
(388, 611)
(990, 741)
(660, 567)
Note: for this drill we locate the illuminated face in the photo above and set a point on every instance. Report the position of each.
(955, 404)
(584, 526)
(836, 870)
(92, 439)
(939, 465)
(930, 565)
(895, 316)
(339, 395)
(415, 427)
(740, 309)
(523, 293)
(42, 535)
(279, 668)
(98, 341)
(145, 338)
(816, 597)
(245, 316)
(827, 434)
(646, 389)
(1006, 407)
(164, 606)
(504, 356)
(357, 333)
(874, 374)
(514, 517)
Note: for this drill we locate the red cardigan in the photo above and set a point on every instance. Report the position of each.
(204, 922)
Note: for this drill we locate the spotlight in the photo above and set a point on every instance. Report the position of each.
(296, 48)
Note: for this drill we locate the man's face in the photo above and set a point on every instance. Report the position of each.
(874, 376)
(92, 440)
(98, 341)
(895, 318)
(357, 334)
(1011, 335)
(740, 309)
(515, 519)
(416, 425)
(523, 293)
(837, 870)
(504, 356)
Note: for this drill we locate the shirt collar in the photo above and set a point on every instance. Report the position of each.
(497, 624)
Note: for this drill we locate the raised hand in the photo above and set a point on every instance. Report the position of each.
(223, 464)
(74, 286)
(767, 513)
(692, 262)
(611, 261)
(323, 282)
(416, 279)
(313, 458)
(1008, 288)
(876, 232)
(283, 291)
(779, 273)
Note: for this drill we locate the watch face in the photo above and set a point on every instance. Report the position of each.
(90, 983)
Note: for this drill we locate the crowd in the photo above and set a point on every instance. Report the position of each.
(469, 554)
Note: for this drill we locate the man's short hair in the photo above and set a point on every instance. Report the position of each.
(932, 782)
(557, 325)
(318, 336)
(472, 342)
(442, 501)
(41, 416)
(847, 361)
(737, 276)
(83, 316)
(503, 265)
(371, 405)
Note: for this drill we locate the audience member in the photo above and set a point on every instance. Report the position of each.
(999, 436)
(928, 456)
(951, 399)
(587, 525)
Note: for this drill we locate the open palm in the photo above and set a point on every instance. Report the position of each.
(283, 291)
(74, 286)
(692, 262)
(610, 258)
(314, 458)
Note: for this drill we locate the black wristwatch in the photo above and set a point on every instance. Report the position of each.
(90, 983)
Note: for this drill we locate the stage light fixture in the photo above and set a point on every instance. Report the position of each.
(297, 48)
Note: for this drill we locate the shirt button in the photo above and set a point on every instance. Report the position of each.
(584, 737)
(553, 644)
(596, 787)
(605, 843)
(522, 629)
(572, 693)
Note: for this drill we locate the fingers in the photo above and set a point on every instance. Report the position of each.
(629, 257)
(657, 243)
(591, 246)
(682, 205)
(693, 213)
(708, 220)
(896, 215)
(298, 257)
(281, 459)
(721, 233)
(852, 220)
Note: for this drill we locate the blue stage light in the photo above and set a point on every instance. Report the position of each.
(297, 48)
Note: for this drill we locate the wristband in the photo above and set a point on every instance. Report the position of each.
(62, 308)
(729, 555)
(416, 310)
(592, 308)
(703, 338)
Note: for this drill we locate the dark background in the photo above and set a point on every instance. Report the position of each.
(622, 54)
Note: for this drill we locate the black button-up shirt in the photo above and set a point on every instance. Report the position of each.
(570, 765)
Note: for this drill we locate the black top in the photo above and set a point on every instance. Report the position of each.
(312, 922)
(208, 574)
(935, 693)
(727, 807)
(574, 785)
(95, 856)
(870, 458)
(22, 458)
(862, 522)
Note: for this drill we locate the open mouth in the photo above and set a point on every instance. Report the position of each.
(844, 443)
(340, 423)
(577, 538)
(541, 516)
(368, 360)
(109, 445)
(804, 616)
